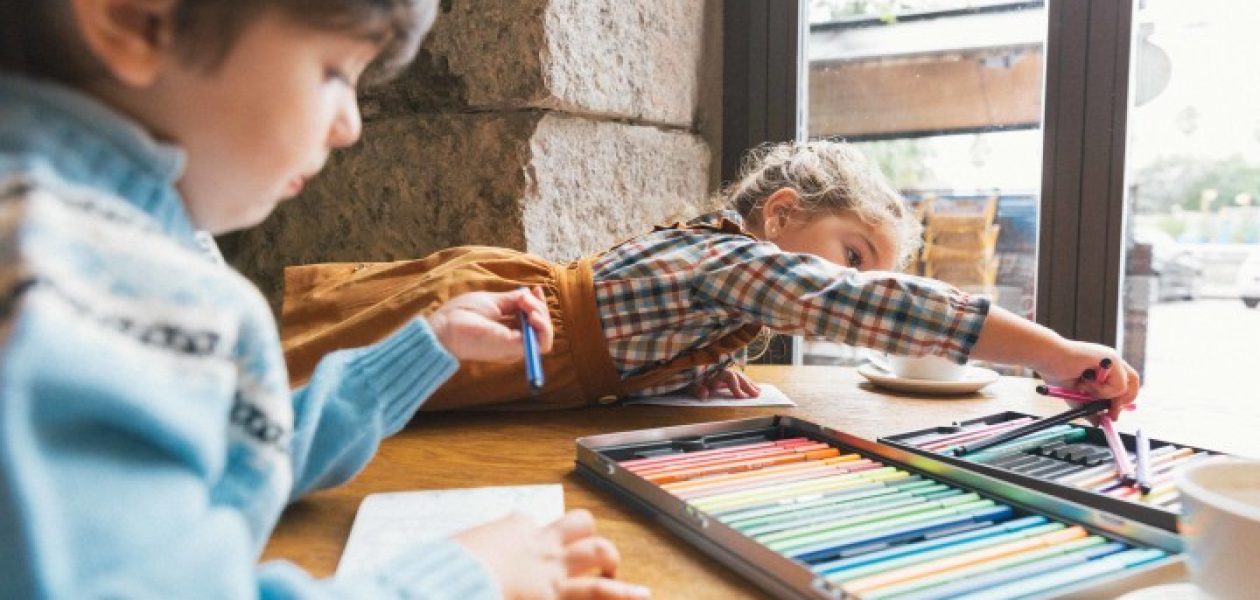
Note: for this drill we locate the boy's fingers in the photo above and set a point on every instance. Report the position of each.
(574, 525)
(592, 554)
(596, 588)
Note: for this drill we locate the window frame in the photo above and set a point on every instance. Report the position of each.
(1085, 111)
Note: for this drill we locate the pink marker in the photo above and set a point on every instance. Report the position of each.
(1123, 468)
(1064, 393)
(1104, 369)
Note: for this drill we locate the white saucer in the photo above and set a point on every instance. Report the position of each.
(972, 381)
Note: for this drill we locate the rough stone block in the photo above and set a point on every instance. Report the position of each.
(554, 186)
(631, 60)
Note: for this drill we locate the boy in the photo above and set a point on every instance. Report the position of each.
(149, 437)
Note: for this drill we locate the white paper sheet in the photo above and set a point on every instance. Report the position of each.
(388, 523)
(770, 396)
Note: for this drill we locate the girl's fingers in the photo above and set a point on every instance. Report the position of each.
(747, 384)
(591, 554)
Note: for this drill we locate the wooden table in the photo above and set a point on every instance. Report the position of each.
(454, 450)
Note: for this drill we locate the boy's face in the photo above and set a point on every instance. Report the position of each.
(258, 126)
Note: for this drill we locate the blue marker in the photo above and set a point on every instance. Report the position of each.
(913, 531)
(1005, 576)
(925, 546)
(1063, 577)
(533, 360)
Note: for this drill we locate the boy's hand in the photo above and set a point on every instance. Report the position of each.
(564, 560)
(485, 326)
(1067, 365)
(735, 382)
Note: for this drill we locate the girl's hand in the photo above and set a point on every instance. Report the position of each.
(564, 560)
(1067, 366)
(485, 326)
(734, 381)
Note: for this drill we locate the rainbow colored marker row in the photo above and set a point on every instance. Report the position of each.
(877, 531)
(1062, 454)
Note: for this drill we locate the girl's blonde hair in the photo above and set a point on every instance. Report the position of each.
(827, 176)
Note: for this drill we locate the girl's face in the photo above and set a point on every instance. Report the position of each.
(840, 237)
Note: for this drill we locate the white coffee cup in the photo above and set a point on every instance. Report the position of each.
(929, 368)
(1220, 522)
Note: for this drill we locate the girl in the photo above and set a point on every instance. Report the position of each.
(807, 245)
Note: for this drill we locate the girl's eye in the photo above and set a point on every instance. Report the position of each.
(335, 74)
(855, 259)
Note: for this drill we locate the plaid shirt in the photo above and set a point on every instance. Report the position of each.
(674, 290)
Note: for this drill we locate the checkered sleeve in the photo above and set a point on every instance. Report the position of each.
(802, 294)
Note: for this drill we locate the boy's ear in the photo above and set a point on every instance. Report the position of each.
(130, 38)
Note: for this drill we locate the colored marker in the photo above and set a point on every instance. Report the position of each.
(800, 518)
(779, 473)
(827, 533)
(1063, 577)
(844, 494)
(1064, 393)
(533, 359)
(1051, 550)
(1143, 462)
(1123, 467)
(954, 439)
(779, 479)
(788, 492)
(919, 560)
(1039, 425)
(1070, 434)
(1104, 369)
(834, 548)
(638, 463)
(973, 584)
(736, 465)
(787, 530)
(731, 458)
(875, 561)
(865, 584)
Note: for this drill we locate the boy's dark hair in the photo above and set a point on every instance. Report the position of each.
(38, 37)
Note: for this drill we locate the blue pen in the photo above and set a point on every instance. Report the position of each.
(533, 360)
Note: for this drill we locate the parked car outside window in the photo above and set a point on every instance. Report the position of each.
(1249, 279)
(1177, 271)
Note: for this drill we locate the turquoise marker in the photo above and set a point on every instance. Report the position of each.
(821, 535)
(1036, 441)
(973, 584)
(917, 510)
(1064, 577)
(851, 573)
(875, 556)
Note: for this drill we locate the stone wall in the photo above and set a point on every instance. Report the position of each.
(551, 126)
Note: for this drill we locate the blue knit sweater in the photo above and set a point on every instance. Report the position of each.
(148, 439)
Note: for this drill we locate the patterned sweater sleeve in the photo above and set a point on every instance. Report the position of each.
(802, 294)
